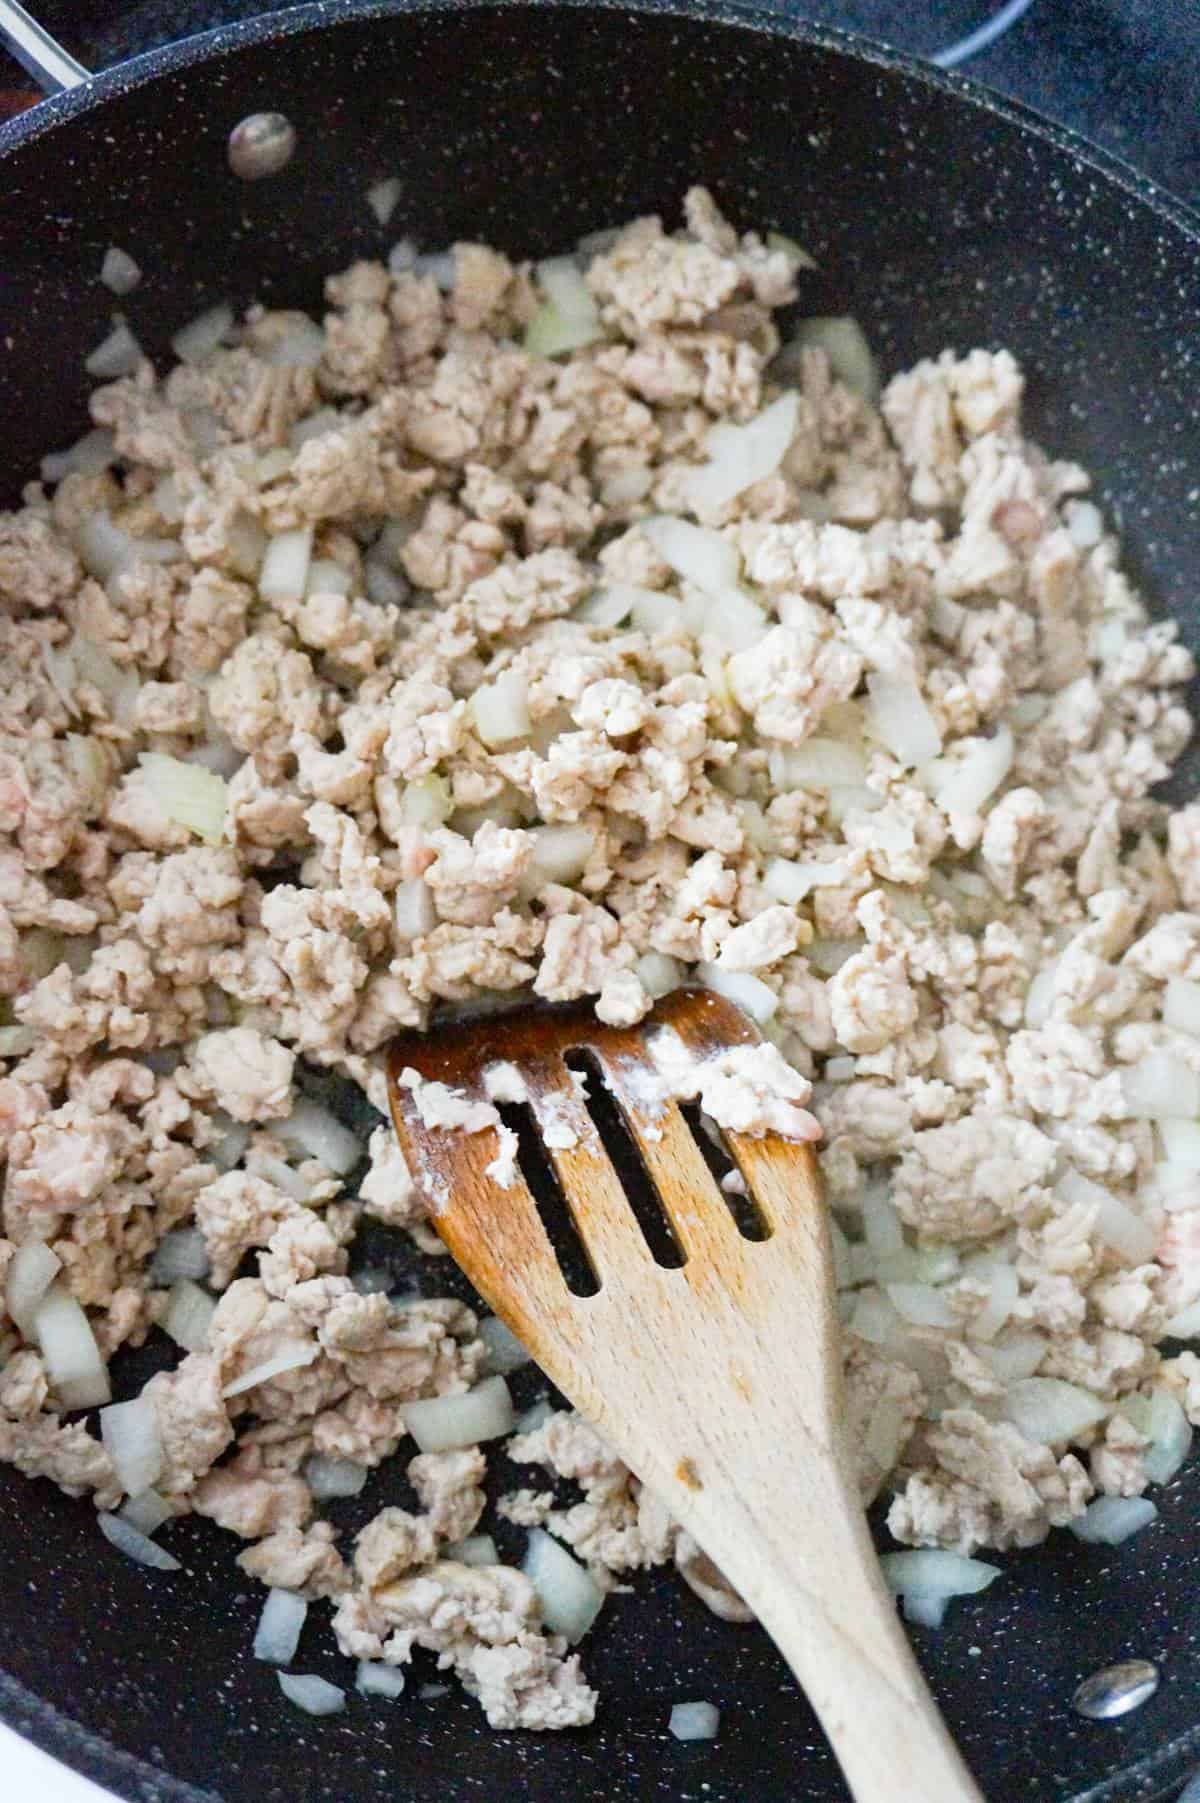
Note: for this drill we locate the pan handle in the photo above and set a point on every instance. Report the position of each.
(50, 65)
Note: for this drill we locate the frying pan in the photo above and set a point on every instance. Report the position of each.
(939, 215)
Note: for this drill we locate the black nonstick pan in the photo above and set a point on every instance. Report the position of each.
(940, 216)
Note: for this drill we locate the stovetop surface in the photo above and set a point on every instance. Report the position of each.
(1126, 73)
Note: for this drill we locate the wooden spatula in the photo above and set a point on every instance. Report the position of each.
(719, 1380)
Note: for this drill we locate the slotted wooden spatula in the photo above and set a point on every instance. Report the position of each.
(718, 1381)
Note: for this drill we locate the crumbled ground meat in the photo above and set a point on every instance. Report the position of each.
(468, 788)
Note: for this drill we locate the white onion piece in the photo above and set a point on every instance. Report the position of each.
(327, 1477)
(886, 1433)
(626, 486)
(740, 456)
(1181, 1143)
(1181, 1006)
(694, 1721)
(384, 586)
(476, 1549)
(118, 271)
(963, 784)
(921, 1304)
(657, 973)
(789, 880)
(293, 1360)
(33, 1269)
(1185, 1325)
(377, 1680)
(318, 1133)
(146, 1512)
(300, 346)
(189, 1314)
(610, 605)
(279, 1627)
(500, 709)
(402, 258)
(817, 764)
(68, 1347)
(1161, 1087)
(535, 1416)
(845, 344)
(183, 1252)
(874, 1319)
(568, 318)
(1039, 998)
(325, 577)
(188, 794)
(116, 356)
(928, 1572)
(570, 1597)
(560, 854)
(413, 909)
(925, 1611)
(131, 1436)
(16, 1041)
(384, 197)
(828, 955)
(881, 1224)
(1018, 1355)
(316, 1696)
(701, 556)
(444, 1422)
(225, 1153)
(1111, 1519)
(1116, 1223)
(284, 573)
(201, 336)
(747, 992)
(654, 612)
(1049, 1409)
(1005, 1288)
(138, 1547)
(1161, 1418)
(95, 451)
(505, 1352)
(899, 718)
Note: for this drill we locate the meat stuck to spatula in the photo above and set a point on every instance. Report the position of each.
(700, 1337)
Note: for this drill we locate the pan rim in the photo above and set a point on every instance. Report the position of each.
(1151, 1779)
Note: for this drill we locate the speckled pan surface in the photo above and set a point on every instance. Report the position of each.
(938, 218)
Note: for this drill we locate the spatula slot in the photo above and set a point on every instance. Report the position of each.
(748, 1217)
(618, 1141)
(579, 1273)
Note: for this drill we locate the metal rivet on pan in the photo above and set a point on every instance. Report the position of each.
(1116, 1690)
(263, 144)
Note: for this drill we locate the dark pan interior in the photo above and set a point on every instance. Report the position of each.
(938, 218)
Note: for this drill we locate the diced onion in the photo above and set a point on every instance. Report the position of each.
(963, 784)
(845, 344)
(1085, 523)
(560, 854)
(1185, 1325)
(413, 910)
(319, 1134)
(886, 1433)
(384, 586)
(115, 356)
(900, 719)
(131, 1436)
(925, 1611)
(284, 573)
(189, 1314)
(654, 612)
(183, 1252)
(316, 1696)
(694, 1721)
(327, 1477)
(95, 451)
(377, 1680)
(68, 1346)
(624, 487)
(146, 1512)
(747, 992)
(426, 801)
(476, 1549)
(1047, 1408)
(1161, 1087)
(225, 1153)
(1018, 1355)
(505, 1352)
(327, 578)
(33, 1269)
(694, 552)
(657, 973)
(443, 1422)
(819, 763)
(928, 1572)
(881, 1223)
(535, 1416)
(1116, 1223)
(828, 955)
(188, 794)
(279, 1627)
(293, 1360)
(789, 880)
(402, 257)
(1161, 1418)
(570, 1597)
(1005, 1288)
(568, 319)
(500, 709)
(1039, 998)
(138, 1547)
(609, 605)
(118, 271)
(921, 1304)
(1111, 1519)
(198, 339)
(740, 456)
(1181, 1006)
(384, 197)
(1181, 1143)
